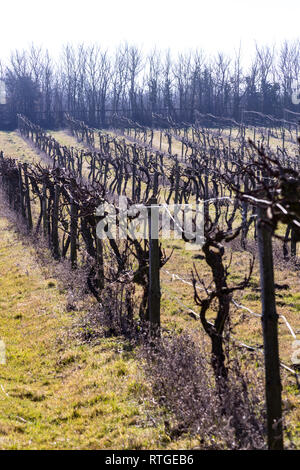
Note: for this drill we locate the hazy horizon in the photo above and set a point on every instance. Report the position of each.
(218, 26)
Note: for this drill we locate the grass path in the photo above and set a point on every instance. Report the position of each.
(15, 146)
(56, 393)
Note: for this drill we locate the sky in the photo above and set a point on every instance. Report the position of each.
(211, 25)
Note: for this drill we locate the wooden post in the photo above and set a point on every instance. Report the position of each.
(154, 267)
(73, 232)
(244, 215)
(27, 198)
(93, 163)
(100, 265)
(81, 163)
(21, 192)
(120, 178)
(170, 144)
(105, 173)
(293, 242)
(155, 183)
(133, 176)
(270, 334)
(45, 215)
(55, 240)
(177, 180)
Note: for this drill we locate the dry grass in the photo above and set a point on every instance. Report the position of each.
(14, 146)
(57, 393)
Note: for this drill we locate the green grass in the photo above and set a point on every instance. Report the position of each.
(14, 146)
(57, 393)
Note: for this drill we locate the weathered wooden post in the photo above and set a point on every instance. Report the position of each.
(44, 210)
(169, 144)
(134, 172)
(105, 173)
(244, 215)
(27, 198)
(80, 164)
(270, 334)
(55, 210)
(177, 181)
(73, 232)
(154, 266)
(293, 242)
(120, 178)
(155, 183)
(21, 192)
(93, 163)
(100, 263)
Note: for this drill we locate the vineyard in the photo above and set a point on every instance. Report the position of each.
(236, 293)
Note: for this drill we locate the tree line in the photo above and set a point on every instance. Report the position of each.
(93, 84)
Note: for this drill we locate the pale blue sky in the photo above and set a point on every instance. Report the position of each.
(212, 25)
